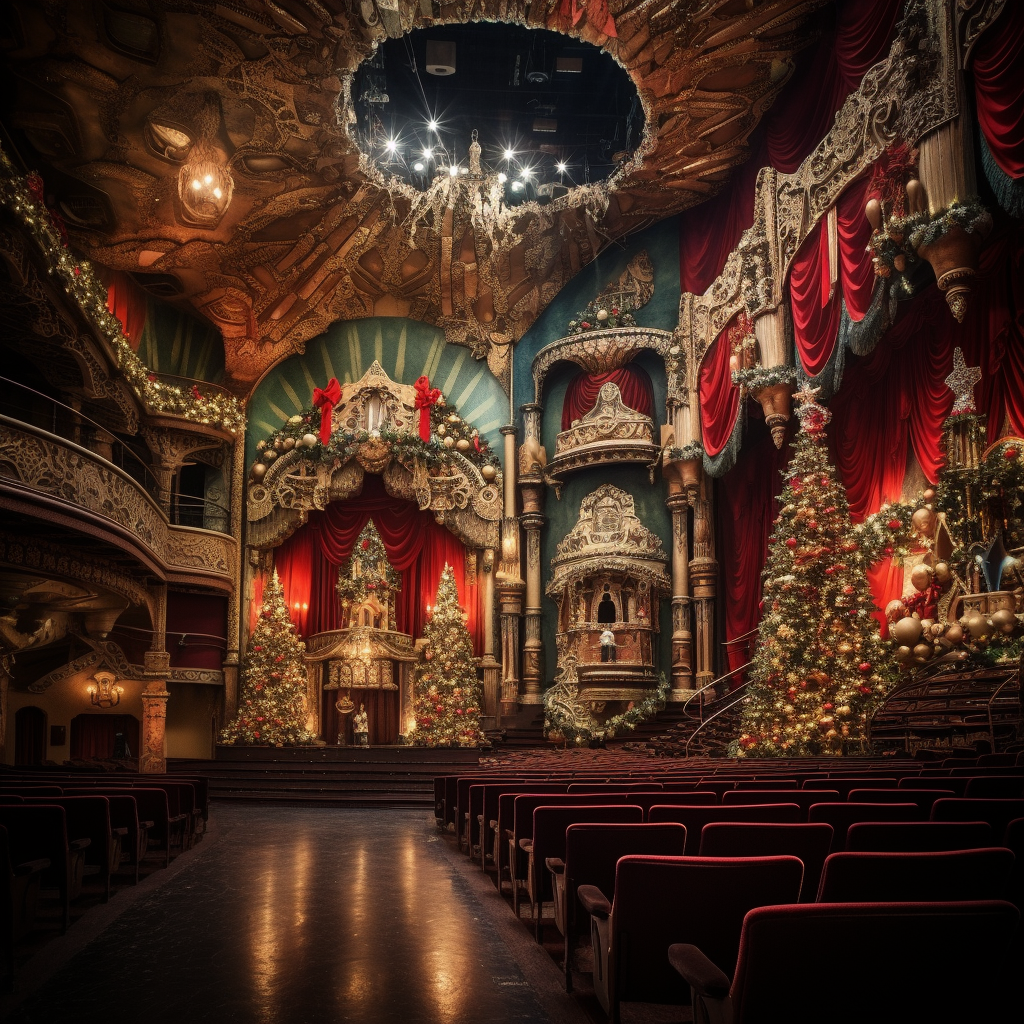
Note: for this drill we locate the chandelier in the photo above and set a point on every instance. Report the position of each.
(104, 691)
(205, 184)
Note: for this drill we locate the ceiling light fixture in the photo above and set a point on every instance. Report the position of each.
(509, 154)
(418, 166)
(432, 126)
(391, 146)
(103, 690)
(428, 154)
(561, 168)
(205, 185)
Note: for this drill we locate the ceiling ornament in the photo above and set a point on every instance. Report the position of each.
(310, 236)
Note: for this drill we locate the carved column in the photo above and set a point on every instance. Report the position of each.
(236, 606)
(509, 582)
(157, 667)
(703, 580)
(682, 636)
(774, 338)
(531, 486)
(491, 668)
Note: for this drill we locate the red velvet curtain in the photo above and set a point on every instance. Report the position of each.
(998, 66)
(807, 107)
(416, 545)
(895, 400)
(634, 384)
(201, 621)
(816, 312)
(127, 301)
(93, 735)
(744, 509)
(719, 397)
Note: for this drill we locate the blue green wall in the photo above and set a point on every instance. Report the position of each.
(174, 342)
(407, 349)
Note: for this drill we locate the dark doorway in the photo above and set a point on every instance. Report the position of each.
(30, 736)
(96, 735)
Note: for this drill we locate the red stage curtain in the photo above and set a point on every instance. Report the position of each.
(816, 315)
(416, 545)
(127, 301)
(998, 66)
(744, 509)
(719, 397)
(633, 382)
(711, 230)
(201, 620)
(92, 735)
(808, 105)
(886, 583)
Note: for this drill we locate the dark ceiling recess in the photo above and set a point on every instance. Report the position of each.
(549, 99)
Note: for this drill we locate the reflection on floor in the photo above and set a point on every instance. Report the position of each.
(299, 916)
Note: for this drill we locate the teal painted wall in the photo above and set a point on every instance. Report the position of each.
(174, 342)
(406, 349)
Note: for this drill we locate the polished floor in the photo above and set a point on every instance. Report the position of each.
(299, 916)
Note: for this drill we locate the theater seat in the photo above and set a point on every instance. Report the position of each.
(661, 900)
(810, 843)
(916, 877)
(918, 836)
(928, 962)
(998, 813)
(695, 818)
(591, 854)
(842, 816)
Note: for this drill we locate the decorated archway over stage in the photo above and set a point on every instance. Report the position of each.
(401, 457)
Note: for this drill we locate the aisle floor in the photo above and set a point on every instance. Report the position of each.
(299, 916)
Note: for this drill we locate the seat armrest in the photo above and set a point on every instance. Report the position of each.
(555, 865)
(30, 867)
(79, 844)
(526, 845)
(493, 824)
(174, 819)
(119, 831)
(145, 824)
(698, 971)
(594, 901)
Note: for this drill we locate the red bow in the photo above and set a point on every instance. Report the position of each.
(924, 602)
(426, 396)
(325, 400)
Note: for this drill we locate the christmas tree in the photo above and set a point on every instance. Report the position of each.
(272, 706)
(820, 668)
(368, 575)
(446, 688)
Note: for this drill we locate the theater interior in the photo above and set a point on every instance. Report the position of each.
(511, 510)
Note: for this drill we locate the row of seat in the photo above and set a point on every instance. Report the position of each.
(871, 840)
(61, 834)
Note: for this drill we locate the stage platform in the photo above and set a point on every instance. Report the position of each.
(385, 776)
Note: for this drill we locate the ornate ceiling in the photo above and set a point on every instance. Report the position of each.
(117, 95)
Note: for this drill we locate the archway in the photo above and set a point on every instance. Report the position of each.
(95, 735)
(29, 736)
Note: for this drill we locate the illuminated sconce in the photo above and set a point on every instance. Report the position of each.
(104, 691)
(205, 185)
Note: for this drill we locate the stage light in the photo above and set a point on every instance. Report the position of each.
(418, 166)
(432, 126)
(561, 168)
(509, 154)
(428, 154)
(391, 146)
(525, 173)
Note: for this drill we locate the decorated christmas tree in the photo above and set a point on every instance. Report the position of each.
(272, 705)
(820, 668)
(368, 575)
(446, 688)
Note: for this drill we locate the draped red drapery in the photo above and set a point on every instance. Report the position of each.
(745, 509)
(998, 66)
(308, 562)
(127, 301)
(94, 735)
(633, 382)
(719, 397)
(795, 124)
(816, 305)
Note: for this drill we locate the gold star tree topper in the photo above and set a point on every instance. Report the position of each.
(961, 382)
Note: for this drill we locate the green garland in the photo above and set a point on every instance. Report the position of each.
(692, 450)
(968, 214)
(580, 735)
(598, 316)
(757, 377)
(85, 288)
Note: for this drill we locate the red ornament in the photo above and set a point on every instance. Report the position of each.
(366, 543)
(864, 689)
(894, 524)
(830, 510)
(439, 709)
(864, 666)
(1010, 453)
(813, 524)
(791, 542)
(888, 551)
(827, 707)
(585, 325)
(848, 590)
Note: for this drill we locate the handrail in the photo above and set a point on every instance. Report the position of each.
(739, 639)
(740, 696)
(177, 378)
(1011, 673)
(150, 481)
(713, 683)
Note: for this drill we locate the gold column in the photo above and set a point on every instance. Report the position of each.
(491, 668)
(682, 636)
(236, 606)
(531, 487)
(509, 582)
(774, 333)
(157, 667)
(704, 582)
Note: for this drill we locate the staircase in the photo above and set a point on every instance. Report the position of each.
(519, 731)
(952, 708)
(328, 777)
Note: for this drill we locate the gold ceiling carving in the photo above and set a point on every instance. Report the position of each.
(313, 236)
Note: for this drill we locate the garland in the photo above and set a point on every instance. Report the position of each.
(969, 215)
(691, 450)
(598, 317)
(24, 198)
(581, 733)
(755, 378)
(887, 533)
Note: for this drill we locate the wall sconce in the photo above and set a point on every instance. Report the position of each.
(104, 691)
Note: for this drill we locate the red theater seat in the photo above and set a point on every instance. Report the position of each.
(842, 816)
(998, 813)
(695, 818)
(918, 836)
